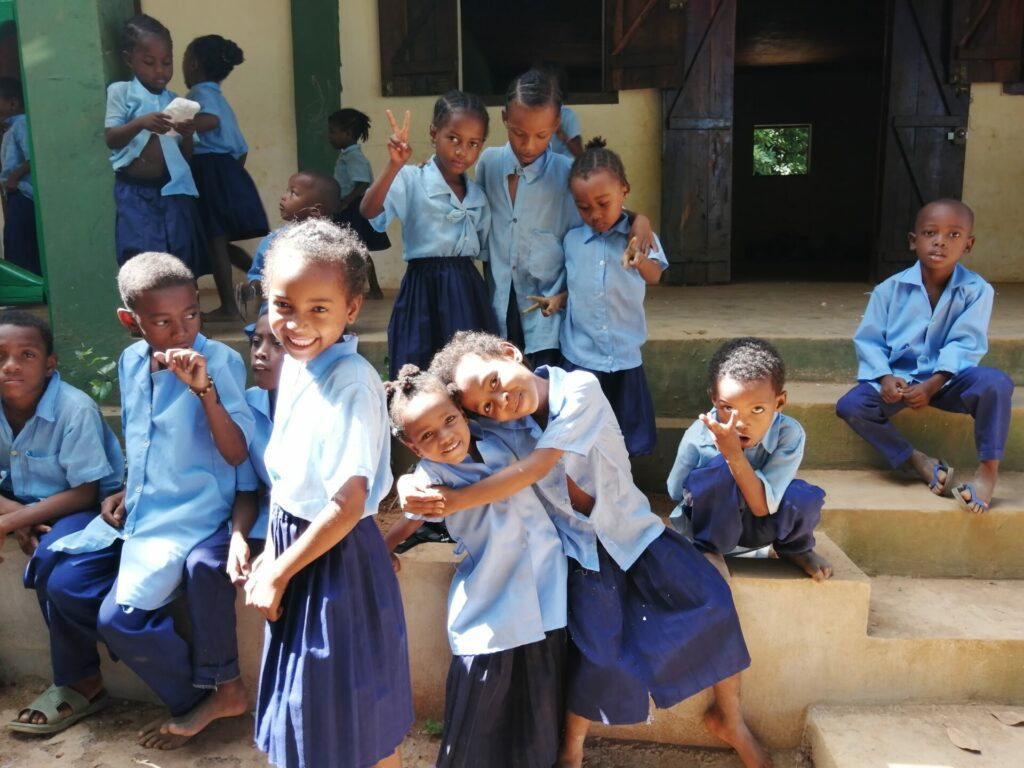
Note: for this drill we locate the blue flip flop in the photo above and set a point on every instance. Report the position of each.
(966, 503)
(947, 484)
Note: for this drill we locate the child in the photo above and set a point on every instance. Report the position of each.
(568, 139)
(20, 244)
(507, 602)
(922, 336)
(736, 465)
(527, 188)
(153, 186)
(186, 427)
(228, 202)
(334, 684)
(58, 458)
(444, 227)
(647, 614)
(345, 129)
(604, 324)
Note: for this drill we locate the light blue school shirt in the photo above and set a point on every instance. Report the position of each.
(352, 168)
(524, 247)
(226, 138)
(510, 588)
(571, 126)
(180, 489)
(605, 325)
(15, 150)
(260, 257)
(775, 459)
(434, 221)
(331, 425)
(63, 445)
(252, 473)
(126, 101)
(901, 335)
(581, 422)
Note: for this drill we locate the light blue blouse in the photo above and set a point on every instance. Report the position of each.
(352, 168)
(775, 459)
(901, 335)
(605, 325)
(64, 445)
(260, 257)
(524, 247)
(15, 150)
(226, 138)
(511, 586)
(331, 425)
(571, 126)
(252, 473)
(126, 101)
(179, 489)
(434, 221)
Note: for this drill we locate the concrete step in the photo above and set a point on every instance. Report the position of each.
(905, 735)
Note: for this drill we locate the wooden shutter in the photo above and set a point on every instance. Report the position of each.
(987, 41)
(643, 43)
(419, 51)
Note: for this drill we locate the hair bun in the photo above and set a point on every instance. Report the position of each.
(595, 143)
(232, 53)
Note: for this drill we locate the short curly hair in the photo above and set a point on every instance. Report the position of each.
(151, 271)
(410, 382)
(320, 241)
(22, 319)
(485, 345)
(747, 359)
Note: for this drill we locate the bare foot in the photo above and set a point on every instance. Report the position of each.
(813, 564)
(222, 315)
(984, 487)
(90, 688)
(738, 736)
(229, 700)
(571, 753)
(152, 736)
(924, 466)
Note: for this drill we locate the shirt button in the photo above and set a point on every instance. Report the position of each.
(14, 453)
(146, 444)
(600, 263)
(138, 489)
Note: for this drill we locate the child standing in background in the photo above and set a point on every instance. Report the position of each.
(21, 246)
(568, 139)
(228, 201)
(345, 129)
(153, 186)
(445, 221)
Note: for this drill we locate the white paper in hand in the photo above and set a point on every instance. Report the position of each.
(180, 110)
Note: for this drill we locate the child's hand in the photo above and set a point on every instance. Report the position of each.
(263, 591)
(112, 509)
(418, 500)
(8, 505)
(185, 127)
(398, 144)
(632, 256)
(642, 232)
(28, 537)
(918, 395)
(238, 559)
(892, 388)
(156, 122)
(726, 438)
(11, 184)
(188, 365)
(548, 305)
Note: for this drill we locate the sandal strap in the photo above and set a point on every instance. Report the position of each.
(48, 702)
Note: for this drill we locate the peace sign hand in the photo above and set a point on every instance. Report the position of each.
(398, 144)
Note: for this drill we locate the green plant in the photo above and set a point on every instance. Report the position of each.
(782, 150)
(98, 371)
(433, 727)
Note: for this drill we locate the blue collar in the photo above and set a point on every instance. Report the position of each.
(322, 362)
(14, 119)
(259, 400)
(434, 181)
(354, 147)
(510, 164)
(621, 226)
(46, 408)
(208, 85)
(139, 89)
(913, 276)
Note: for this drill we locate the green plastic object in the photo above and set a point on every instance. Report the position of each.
(19, 286)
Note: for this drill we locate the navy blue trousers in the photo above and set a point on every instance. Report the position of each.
(722, 520)
(985, 393)
(149, 221)
(83, 611)
(21, 245)
(39, 568)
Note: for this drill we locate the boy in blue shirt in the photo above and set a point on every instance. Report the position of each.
(922, 336)
(20, 244)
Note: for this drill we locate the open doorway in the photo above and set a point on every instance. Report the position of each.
(809, 100)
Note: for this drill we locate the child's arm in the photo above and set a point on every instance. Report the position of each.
(204, 122)
(17, 175)
(399, 153)
(118, 137)
(869, 341)
(243, 514)
(14, 515)
(728, 441)
(357, 191)
(402, 529)
(687, 459)
(641, 229)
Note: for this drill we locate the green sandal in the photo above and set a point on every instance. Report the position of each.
(48, 703)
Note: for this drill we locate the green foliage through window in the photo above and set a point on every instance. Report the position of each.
(782, 150)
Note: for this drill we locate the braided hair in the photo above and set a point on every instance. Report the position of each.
(597, 157)
(411, 381)
(459, 101)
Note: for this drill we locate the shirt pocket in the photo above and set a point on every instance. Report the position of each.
(546, 259)
(44, 476)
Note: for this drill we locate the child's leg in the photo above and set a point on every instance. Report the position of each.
(791, 529)
(220, 265)
(240, 258)
(374, 292)
(725, 720)
(39, 568)
(716, 507)
(21, 246)
(571, 753)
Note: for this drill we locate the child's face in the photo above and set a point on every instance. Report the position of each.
(265, 355)
(501, 388)
(152, 62)
(309, 305)
(457, 143)
(339, 137)
(599, 198)
(25, 367)
(190, 68)
(942, 234)
(530, 129)
(754, 403)
(436, 428)
(167, 318)
(301, 200)
(9, 108)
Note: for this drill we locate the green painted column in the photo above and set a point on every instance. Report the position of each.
(69, 52)
(316, 61)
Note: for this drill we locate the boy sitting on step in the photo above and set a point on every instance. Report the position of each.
(735, 470)
(922, 336)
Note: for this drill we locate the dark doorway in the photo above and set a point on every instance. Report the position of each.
(812, 72)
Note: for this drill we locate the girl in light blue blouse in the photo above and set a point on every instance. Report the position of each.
(445, 220)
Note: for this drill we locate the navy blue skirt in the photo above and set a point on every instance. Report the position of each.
(438, 297)
(505, 708)
(630, 397)
(666, 627)
(334, 686)
(149, 221)
(229, 204)
(21, 246)
(374, 240)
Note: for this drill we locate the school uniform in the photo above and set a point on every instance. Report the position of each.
(653, 617)
(353, 168)
(115, 584)
(441, 292)
(229, 204)
(153, 214)
(524, 245)
(334, 684)
(571, 126)
(259, 258)
(605, 325)
(714, 513)
(21, 246)
(901, 335)
(506, 621)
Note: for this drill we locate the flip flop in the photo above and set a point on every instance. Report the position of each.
(966, 503)
(947, 484)
(48, 702)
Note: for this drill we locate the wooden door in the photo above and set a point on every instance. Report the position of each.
(419, 47)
